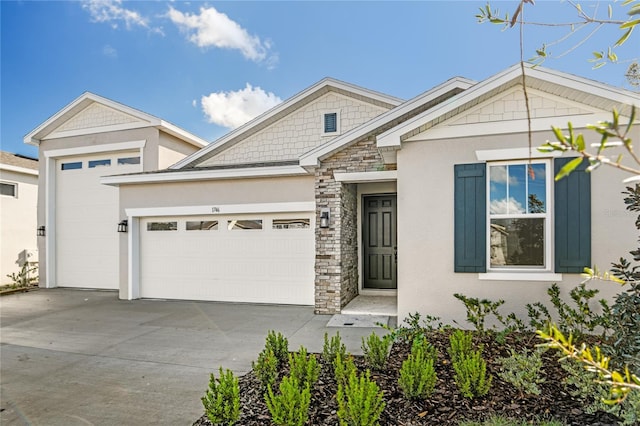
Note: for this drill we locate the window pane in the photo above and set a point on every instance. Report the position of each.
(331, 122)
(97, 163)
(517, 189)
(8, 189)
(537, 200)
(202, 225)
(72, 166)
(291, 223)
(162, 226)
(129, 160)
(498, 189)
(517, 242)
(244, 224)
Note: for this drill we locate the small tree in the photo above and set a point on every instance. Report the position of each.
(222, 399)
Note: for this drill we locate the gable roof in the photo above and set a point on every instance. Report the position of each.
(425, 101)
(589, 92)
(88, 99)
(18, 163)
(311, 93)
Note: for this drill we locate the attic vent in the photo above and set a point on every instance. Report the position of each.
(331, 122)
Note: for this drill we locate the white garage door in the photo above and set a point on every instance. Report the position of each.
(257, 258)
(86, 235)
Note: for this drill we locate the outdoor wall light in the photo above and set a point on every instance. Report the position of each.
(324, 218)
(41, 231)
(123, 225)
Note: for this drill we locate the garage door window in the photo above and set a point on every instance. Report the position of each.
(99, 163)
(162, 226)
(291, 223)
(202, 225)
(128, 160)
(8, 189)
(72, 166)
(244, 224)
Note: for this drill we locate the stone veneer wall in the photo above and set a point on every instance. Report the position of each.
(337, 246)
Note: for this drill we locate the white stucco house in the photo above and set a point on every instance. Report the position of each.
(18, 213)
(337, 191)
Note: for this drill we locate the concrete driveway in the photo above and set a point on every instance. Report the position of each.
(80, 357)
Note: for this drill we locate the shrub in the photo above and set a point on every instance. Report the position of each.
(418, 375)
(26, 276)
(413, 326)
(343, 368)
(332, 347)
(376, 350)
(522, 370)
(359, 401)
(291, 406)
(279, 345)
(304, 368)
(471, 375)
(266, 368)
(479, 309)
(222, 400)
(460, 344)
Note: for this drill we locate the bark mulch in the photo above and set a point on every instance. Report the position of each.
(446, 406)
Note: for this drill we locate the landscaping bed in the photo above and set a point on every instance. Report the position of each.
(445, 406)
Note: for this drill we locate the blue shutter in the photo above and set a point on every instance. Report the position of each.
(470, 218)
(572, 204)
(331, 122)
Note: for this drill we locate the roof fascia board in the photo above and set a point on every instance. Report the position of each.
(312, 158)
(289, 103)
(93, 130)
(195, 175)
(391, 138)
(180, 133)
(17, 169)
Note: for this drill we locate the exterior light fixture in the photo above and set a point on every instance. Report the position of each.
(41, 231)
(324, 218)
(123, 225)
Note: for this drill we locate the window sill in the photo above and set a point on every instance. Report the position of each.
(520, 276)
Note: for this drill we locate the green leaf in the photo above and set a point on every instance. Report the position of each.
(598, 55)
(630, 24)
(580, 142)
(610, 11)
(558, 132)
(596, 66)
(631, 119)
(624, 37)
(568, 168)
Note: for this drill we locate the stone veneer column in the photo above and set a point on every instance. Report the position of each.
(337, 246)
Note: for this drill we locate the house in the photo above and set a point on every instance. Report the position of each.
(18, 209)
(340, 191)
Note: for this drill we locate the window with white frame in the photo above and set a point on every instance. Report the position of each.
(330, 123)
(518, 215)
(8, 189)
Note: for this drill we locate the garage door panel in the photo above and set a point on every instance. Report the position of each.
(87, 244)
(246, 265)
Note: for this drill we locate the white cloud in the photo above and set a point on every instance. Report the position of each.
(504, 206)
(112, 12)
(109, 51)
(212, 28)
(234, 108)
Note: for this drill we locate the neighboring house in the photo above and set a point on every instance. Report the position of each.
(90, 138)
(18, 211)
(341, 191)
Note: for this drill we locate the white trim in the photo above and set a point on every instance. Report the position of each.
(443, 131)
(67, 152)
(133, 267)
(363, 177)
(17, 169)
(520, 276)
(513, 154)
(392, 137)
(193, 175)
(222, 209)
(274, 112)
(93, 130)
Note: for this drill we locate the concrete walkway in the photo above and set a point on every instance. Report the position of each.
(79, 357)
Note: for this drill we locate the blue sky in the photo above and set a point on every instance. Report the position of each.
(209, 66)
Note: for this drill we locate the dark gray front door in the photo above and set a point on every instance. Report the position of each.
(380, 242)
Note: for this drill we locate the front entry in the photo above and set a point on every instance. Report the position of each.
(380, 248)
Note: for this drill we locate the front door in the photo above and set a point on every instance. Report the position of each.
(380, 242)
